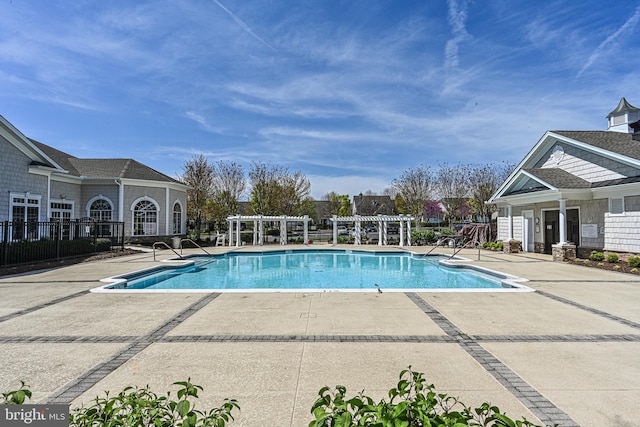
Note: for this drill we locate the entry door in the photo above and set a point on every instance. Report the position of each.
(527, 231)
(551, 230)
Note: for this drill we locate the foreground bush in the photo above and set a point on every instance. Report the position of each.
(141, 407)
(634, 261)
(413, 403)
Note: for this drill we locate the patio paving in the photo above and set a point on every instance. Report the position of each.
(567, 354)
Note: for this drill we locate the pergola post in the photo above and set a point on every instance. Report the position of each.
(408, 233)
(306, 229)
(238, 232)
(401, 232)
(357, 238)
(283, 231)
(380, 232)
(255, 232)
(335, 229)
(260, 231)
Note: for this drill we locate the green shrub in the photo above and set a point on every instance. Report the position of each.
(634, 261)
(612, 258)
(142, 407)
(413, 403)
(596, 256)
(16, 397)
(423, 237)
(447, 232)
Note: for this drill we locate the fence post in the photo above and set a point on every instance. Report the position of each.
(5, 243)
(58, 228)
(96, 225)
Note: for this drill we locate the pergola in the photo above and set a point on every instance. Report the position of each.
(381, 220)
(258, 227)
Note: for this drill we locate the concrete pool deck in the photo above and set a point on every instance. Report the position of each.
(568, 353)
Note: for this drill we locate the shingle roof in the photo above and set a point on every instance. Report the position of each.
(103, 168)
(616, 142)
(60, 157)
(623, 106)
(558, 178)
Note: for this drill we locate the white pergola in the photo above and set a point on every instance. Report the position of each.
(381, 220)
(258, 227)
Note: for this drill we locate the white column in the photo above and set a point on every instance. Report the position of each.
(357, 236)
(238, 233)
(335, 230)
(401, 232)
(168, 229)
(384, 233)
(260, 231)
(409, 233)
(380, 233)
(563, 221)
(255, 232)
(510, 223)
(283, 231)
(306, 229)
(230, 227)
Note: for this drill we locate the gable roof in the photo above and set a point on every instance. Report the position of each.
(616, 142)
(550, 181)
(558, 178)
(103, 168)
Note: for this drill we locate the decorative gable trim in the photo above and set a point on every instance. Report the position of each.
(22, 143)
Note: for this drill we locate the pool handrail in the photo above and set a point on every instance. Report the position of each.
(167, 246)
(196, 245)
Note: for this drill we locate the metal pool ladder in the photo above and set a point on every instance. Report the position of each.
(165, 245)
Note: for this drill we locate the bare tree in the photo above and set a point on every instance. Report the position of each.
(453, 190)
(198, 175)
(484, 180)
(228, 185)
(414, 187)
(276, 191)
(391, 192)
(338, 203)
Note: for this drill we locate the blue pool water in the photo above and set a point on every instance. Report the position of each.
(312, 269)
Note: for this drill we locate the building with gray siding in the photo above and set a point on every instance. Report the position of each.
(41, 183)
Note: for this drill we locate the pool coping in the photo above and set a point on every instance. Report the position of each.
(510, 283)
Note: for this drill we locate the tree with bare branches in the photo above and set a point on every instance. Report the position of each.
(198, 175)
(414, 186)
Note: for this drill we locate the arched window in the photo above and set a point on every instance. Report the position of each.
(145, 218)
(100, 210)
(177, 218)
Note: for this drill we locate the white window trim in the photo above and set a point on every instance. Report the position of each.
(99, 197)
(611, 199)
(73, 207)
(24, 196)
(182, 216)
(133, 218)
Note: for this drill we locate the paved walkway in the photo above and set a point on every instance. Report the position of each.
(568, 353)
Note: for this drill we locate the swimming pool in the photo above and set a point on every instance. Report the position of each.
(313, 270)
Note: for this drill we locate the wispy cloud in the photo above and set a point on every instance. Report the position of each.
(204, 124)
(244, 26)
(611, 40)
(457, 17)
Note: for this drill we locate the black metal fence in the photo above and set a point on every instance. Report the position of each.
(24, 242)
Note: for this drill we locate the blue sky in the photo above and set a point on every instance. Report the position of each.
(351, 93)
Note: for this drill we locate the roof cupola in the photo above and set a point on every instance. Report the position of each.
(623, 116)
